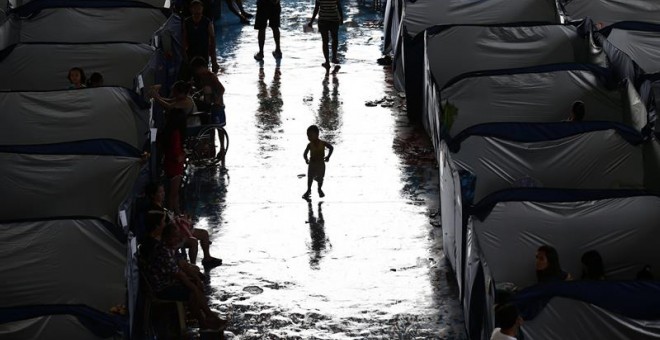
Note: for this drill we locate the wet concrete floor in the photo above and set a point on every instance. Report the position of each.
(365, 262)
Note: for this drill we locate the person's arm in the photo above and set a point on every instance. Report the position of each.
(185, 40)
(305, 154)
(212, 53)
(164, 102)
(220, 91)
(316, 12)
(330, 150)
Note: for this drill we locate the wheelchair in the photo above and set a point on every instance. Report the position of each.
(207, 141)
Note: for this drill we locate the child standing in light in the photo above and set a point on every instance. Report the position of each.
(316, 149)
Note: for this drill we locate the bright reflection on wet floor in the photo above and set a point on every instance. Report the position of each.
(366, 260)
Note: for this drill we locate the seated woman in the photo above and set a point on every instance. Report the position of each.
(154, 221)
(547, 266)
(195, 236)
(170, 282)
(592, 266)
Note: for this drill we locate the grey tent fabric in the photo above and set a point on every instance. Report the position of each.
(594, 160)
(391, 24)
(530, 97)
(564, 318)
(71, 262)
(643, 47)
(51, 327)
(501, 47)
(451, 210)
(9, 29)
(478, 288)
(607, 12)
(623, 230)
(64, 185)
(31, 118)
(135, 25)
(422, 14)
(25, 69)
(153, 3)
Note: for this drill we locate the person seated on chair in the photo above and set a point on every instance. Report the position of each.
(508, 322)
(208, 83)
(212, 100)
(194, 236)
(547, 266)
(154, 221)
(170, 282)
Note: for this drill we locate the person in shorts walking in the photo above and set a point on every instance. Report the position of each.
(330, 17)
(268, 14)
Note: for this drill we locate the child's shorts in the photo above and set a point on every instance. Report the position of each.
(316, 170)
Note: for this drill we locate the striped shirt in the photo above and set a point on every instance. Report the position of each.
(328, 10)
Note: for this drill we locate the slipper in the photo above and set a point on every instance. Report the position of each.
(211, 262)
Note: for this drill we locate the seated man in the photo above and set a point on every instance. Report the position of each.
(170, 282)
(156, 195)
(212, 100)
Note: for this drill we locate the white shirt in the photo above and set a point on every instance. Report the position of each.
(497, 335)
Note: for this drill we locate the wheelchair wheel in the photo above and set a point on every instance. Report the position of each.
(209, 146)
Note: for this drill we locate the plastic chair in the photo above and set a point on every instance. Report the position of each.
(151, 299)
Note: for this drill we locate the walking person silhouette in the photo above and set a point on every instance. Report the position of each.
(330, 17)
(316, 169)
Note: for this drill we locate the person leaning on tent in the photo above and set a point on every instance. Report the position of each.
(170, 282)
(547, 266)
(508, 322)
(171, 138)
(199, 36)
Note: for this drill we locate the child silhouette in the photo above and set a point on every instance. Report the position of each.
(316, 149)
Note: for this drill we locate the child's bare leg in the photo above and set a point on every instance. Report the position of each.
(203, 237)
(310, 179)
(192, 245)
(320, 184)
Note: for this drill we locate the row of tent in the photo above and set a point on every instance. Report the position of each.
(71, 160)
(493, 82)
